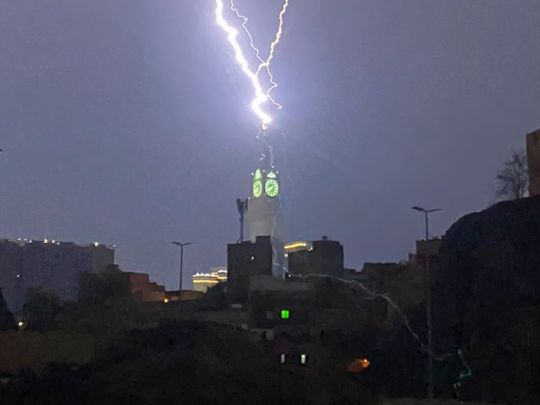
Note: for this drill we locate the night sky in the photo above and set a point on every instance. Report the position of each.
(128, 121)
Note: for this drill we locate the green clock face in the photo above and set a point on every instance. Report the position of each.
(257, 188)
(271, 187)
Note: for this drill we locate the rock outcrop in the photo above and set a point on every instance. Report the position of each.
(486, 296)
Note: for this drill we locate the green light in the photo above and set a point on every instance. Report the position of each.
(257, 188)
(271, 187)
(285, 314)
(303, 359)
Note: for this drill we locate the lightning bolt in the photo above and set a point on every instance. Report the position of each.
(265, 64)
(275, 42)
(261, 96)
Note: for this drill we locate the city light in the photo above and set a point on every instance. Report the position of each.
(203, 281)
(358, 365)
(209, 281)
(298, 246)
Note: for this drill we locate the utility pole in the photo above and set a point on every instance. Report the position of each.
(430, 391)
(242, 206)
(181, 259)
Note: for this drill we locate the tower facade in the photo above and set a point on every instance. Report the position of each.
(263, 213)
(264, 204)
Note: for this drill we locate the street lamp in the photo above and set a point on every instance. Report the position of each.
(181, 259)
(430, 393)
(426, 215)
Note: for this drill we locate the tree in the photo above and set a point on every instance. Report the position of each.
(40, 309)
(513, 179)
(105, 308)
(6, 318)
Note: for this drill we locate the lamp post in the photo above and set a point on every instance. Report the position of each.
(181, 259)
(430, 392)
(426, 215)
(242, 206)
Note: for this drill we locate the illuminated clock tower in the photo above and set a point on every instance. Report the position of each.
(263, 216)
(264, 204)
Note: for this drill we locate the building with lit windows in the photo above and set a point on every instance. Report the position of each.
(203, 281)
(48, 264)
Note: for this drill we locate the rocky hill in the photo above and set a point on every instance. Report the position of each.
(486, 298)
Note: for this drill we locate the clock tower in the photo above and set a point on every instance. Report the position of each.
(264, 203)
(263, 213)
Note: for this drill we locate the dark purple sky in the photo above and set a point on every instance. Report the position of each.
(127, 121)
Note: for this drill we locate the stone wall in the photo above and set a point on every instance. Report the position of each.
(533, 157)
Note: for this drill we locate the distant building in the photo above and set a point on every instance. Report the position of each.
(533, 158)
(319, 257)
(143, 289)
(426, 249)
(49, 264)
(245, 260)
(203, 281)
(185, 295)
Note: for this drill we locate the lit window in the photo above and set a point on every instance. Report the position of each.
(285, 314)
(282, 358)
(303, 359)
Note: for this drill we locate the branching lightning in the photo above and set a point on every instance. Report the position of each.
(266, 64)
(261, 96)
